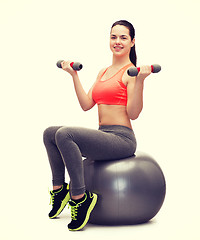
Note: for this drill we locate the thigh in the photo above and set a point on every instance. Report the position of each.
(99, 145)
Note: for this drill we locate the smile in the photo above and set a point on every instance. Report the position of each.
(118, 48)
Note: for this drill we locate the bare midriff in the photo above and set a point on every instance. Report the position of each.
(113, 115)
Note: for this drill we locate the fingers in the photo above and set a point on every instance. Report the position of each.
(145, 69)
(70, 67)
(144, 72)
(65, 65)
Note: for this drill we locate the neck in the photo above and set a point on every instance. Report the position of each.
(120, 61)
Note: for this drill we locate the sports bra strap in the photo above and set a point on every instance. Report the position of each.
(122, 70)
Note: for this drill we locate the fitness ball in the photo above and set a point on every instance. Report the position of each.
(130, 190)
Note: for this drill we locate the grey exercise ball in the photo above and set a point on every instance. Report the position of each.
(130, 190)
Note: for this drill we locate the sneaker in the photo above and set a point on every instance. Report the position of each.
(59, 199)
(80, 211)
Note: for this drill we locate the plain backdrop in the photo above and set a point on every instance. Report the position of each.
(35, 94)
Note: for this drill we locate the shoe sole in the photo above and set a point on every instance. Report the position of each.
(63, 204)
(92, 205)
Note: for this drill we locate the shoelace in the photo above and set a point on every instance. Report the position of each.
(74, 207)
(52, 198)
(74, 211)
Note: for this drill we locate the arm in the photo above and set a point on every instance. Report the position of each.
(85, 100)
(135, 89)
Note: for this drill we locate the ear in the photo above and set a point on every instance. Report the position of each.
(133, 42)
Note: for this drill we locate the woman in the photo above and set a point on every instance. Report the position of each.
(120, 99)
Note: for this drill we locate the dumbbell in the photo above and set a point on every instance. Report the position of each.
(75, 65)
(133, 71)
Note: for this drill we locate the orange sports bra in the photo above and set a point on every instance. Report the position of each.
(111, 91)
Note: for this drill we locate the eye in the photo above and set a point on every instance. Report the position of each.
(113, 37)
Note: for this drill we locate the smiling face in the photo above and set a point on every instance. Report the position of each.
(120, 40)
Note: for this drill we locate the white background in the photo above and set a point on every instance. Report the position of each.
(36, 94)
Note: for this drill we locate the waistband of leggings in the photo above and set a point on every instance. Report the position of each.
(115, 128)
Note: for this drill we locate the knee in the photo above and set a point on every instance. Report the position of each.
(49, 134)
(62, 135)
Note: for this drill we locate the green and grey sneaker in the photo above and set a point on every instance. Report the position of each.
(80, 211)
(59, 199)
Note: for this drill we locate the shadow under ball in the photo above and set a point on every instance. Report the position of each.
(130, 190)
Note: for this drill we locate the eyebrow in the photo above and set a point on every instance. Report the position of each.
(120, 35)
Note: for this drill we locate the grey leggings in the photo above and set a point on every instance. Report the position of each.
(67, 145)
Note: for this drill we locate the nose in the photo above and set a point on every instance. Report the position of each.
(118, 40)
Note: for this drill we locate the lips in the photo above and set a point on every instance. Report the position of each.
(118, 48)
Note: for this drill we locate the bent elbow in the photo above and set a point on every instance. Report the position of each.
(88, 107)
(85, 109)
(134, 115)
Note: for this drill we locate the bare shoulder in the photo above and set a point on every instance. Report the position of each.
(101, 72)
(128, 80)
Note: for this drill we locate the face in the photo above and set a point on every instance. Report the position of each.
(120, 40)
